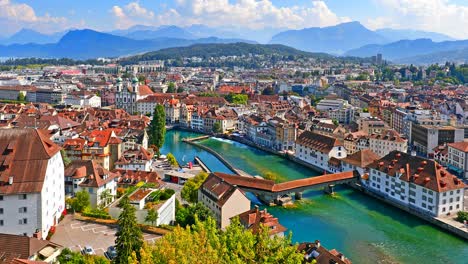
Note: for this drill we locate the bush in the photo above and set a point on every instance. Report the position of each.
(96, 213)
(462, 216)
(166, 194)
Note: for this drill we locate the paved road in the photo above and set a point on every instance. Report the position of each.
(76, 235)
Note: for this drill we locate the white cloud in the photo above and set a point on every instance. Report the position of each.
(241, 13)
(430, 15)
(14, 16)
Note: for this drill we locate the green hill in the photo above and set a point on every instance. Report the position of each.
(219, 50)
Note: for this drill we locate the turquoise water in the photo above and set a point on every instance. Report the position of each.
(365, 230)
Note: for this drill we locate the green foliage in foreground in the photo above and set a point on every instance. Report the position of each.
(190, 190)
(203, 242)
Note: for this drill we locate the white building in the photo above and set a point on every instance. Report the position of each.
(416, 183)
(83, 100)
(32, 193)
(458, 156)
(223, 199)
(89, 176)
(138, 159)
(386, 142)
(317, 150)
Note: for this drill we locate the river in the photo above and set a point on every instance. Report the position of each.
(364, 229)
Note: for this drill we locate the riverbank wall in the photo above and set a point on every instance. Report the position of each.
(218, 156)
(437, 222)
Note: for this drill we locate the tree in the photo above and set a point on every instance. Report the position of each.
(268, 91)
(141, 79)
(66, 160)
(203, 242)
(190, 190)
(172, 160)
(186, 215)
(152, 216)
(21, 97)
(81, 201)
(129, 237)
(217, 127)
(180, 89)
(335, 122)
(158, 127)
(105, 197)
(171, 88)
(239, 99)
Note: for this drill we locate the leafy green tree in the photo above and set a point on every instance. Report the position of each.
(157, 128)
(462, 216)
(66, 160)
(70, 257)
(171, 88)
(239, 99)
(105, 197)
(190, 190)
(141, 79)
(21, 97)
(81, 201)
(180, 89)
(171, 159)
(152, 216)
(129, 237)
(186, 215)
(217, 127)
(203, 242)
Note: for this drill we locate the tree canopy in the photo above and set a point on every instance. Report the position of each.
(171, 88)
(190, 190)
(157, 128)
(203, 242)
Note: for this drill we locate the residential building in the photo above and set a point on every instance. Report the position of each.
(254, 219)
(371, 125)
(138, 159)
(316, 253)
(458, 157)
(32, 193)
(223, 199)
(416, 183)
(317, 150)
(386, 142)
(91, 177)
(103, 146)
(16, 249)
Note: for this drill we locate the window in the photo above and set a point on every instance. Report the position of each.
(451, 200)
(451, 192)
(1, 222)
(443, 209)
(444, 201)
(429, 200)
(23, 210)
(23, 221)
(423, 205)
(424, 190)
(1, 197)
(424, 198)
(412, 193)
(1, 210)
(23, 196)
(90, 190)
(411, 200)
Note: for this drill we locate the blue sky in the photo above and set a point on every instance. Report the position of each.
(444, 16)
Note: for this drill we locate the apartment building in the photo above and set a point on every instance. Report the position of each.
(458, 157)
(32, 193)
(416, 183)
(223, 199)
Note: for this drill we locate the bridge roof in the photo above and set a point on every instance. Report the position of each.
(271, 186)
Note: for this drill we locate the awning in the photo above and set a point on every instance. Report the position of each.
(47, 251)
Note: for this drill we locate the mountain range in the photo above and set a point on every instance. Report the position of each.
(86, 44)
(349, 39)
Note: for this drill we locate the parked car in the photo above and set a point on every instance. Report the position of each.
(111, 252)
(88, 250)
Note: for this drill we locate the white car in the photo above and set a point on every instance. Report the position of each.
(88, 250)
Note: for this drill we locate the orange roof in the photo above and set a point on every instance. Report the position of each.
(462, 146)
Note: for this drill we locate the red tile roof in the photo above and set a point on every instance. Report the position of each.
(417, 170)
(24, 156)
(462, 146)
(318, 142)
(254, 219)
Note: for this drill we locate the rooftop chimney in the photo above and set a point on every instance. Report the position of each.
(10, 180)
